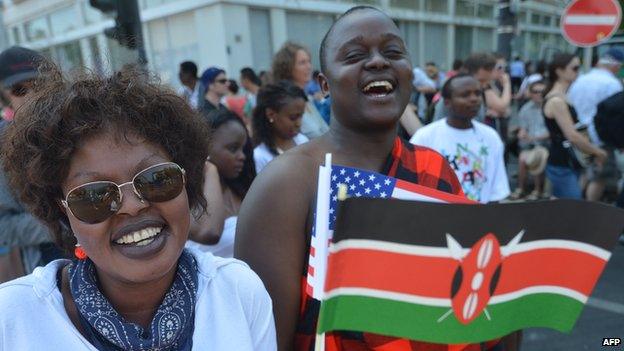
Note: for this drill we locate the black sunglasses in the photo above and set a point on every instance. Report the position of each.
(95, 202)
(222, 81)
(576, 68)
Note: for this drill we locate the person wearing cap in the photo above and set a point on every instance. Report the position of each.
(215, 83)
(584, 95)
(25, 242)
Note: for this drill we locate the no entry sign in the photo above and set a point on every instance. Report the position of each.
(589, 22)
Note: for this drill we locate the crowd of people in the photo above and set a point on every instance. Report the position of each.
(116, 186)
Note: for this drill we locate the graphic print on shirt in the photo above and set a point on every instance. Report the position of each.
(469, 165)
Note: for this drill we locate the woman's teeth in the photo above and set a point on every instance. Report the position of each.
(140, 237)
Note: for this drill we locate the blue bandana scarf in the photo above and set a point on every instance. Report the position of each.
(171, 328)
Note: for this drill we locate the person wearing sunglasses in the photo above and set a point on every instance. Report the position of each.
(563, 167)
(25, 243)
(113, 166)
(215, 86)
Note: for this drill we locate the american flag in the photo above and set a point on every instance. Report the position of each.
(359, 183)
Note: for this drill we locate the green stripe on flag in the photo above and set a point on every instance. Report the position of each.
(419, 322)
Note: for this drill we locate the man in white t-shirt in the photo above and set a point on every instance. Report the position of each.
(585, 94)
(474, 150)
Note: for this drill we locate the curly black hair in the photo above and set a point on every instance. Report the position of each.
(241, 184)
(62, 112)
(273, 96)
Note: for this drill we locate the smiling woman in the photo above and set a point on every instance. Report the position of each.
(114, 166)
(365, 68)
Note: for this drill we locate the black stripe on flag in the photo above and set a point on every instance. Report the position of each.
(426, 223)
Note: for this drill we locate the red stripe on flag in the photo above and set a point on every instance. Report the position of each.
(312, 250)
(408, 274)
(430, 192)
(567, 268)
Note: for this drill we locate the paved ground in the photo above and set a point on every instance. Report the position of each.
(603, 316)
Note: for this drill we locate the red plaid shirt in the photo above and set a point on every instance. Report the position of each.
(415, 164)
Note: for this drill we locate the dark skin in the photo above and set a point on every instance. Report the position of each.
(187, 79)
(363, 47)
(464, 102)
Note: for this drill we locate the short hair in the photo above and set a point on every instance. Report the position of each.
(284, 60)
(63, 112)
(431, 63)
(275, 97)
(249, 74)
(457, 64)
(189, 67)
(233, 86)
(447, 88)
(240, 185)
(478, 61)
(323, 49)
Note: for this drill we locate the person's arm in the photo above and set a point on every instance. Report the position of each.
(501, 103)
(19, 227)
(271, 237)
(207, 229)
(409, 120)
(558, 109)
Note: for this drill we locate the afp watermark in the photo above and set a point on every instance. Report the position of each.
(611, 341)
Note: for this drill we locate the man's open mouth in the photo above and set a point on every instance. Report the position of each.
(378, 88)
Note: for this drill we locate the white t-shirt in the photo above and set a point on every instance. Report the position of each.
(233, 310)
(225, 246)
(476, 155)
(587, 92)
(262, 154)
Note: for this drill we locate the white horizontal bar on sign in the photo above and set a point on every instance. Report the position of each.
(591, 20)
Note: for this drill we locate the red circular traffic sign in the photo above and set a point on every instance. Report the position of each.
(589, 22)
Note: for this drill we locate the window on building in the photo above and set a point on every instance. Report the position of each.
(435, 34)
(546, 20)
(16, 35)
(436, 6)
(411, 34)
(64, 20)
(69, 56)
(261, 44)
(97, 63)
(535, 18)
(406, 4)
(308, 29)
(485, 11)
(173, 40)
(522, 17)
(36, 29)
(463, 42)
(484, 40)
(557, 21)
(465, 8)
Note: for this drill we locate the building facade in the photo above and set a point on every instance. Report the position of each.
(236, 33)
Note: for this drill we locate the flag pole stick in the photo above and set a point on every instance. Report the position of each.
(319, 342)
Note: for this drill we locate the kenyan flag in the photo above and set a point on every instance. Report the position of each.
(453, 274)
